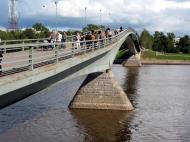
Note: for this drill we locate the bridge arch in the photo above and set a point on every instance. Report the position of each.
(131, 43)
(130, 47)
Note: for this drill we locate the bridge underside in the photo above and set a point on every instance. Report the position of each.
(129, 54)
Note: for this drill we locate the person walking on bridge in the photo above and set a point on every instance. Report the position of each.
(59, 38)
(64, 40)
(52, 38)
(121, 29)
(78, 38)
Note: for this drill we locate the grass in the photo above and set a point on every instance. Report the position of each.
(121, 54)
(166, 56)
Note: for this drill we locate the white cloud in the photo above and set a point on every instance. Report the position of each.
(166, 15)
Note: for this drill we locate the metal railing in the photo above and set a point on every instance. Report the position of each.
(28, 56)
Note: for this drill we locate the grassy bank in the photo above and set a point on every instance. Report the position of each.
(166, 56)
(121, 54)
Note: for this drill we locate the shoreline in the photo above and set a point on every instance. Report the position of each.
(164, 62)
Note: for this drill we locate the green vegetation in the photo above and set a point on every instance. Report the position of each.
(91, 27)
(149, 54)
(121, 54)
(146, 39)
(37, 31)
(166, 43)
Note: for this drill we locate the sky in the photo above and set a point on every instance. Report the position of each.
(162, 15)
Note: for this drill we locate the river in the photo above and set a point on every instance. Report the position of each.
(160, 95)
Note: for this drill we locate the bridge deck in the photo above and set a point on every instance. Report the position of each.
(22, 57)
(48, 57)
(28, 56)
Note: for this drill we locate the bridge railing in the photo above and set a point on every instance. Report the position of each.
(39, 40)
(28, 56)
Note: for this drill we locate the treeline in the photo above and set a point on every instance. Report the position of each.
(38, 30)
(159, 41)
(167, 43)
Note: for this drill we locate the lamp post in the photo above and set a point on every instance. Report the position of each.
(109, 14)
(100, 18)
(56, 13)
(85, 8)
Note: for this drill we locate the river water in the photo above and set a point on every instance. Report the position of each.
(160, 95)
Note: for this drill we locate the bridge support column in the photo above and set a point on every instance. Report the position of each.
(101, 91)
(133, 61)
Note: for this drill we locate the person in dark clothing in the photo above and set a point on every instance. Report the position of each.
(87, 38)
(121, 29)
(100, 38)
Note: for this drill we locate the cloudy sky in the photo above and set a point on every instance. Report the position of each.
(163, 15)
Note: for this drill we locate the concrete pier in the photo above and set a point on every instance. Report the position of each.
(101, 91)
(133, 61)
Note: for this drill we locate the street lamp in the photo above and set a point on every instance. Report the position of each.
(85, 8)
(56, 4)
(100, 17)
(109, 15)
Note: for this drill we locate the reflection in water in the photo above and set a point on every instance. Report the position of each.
(131, 84)
(101, 126)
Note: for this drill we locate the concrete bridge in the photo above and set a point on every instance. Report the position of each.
(30, 67)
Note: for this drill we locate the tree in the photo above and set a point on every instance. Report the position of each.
(184, 44)
(146, 39)
(29, 33)
(18, 35)
(160, 42)
(157, 43)
(40, 27)
(171, 48)
(91, 27)
(42, 31)
(6, 35)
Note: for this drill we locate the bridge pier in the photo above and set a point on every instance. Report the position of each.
(101, 91)
(133, 61)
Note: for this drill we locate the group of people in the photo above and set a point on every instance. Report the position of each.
(90, 37)
(57, 37)
(93, 36)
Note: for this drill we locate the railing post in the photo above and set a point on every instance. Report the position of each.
(5, 49)
(23, 46)
(93, 47)
(73, 49)
(37, 47)
(85, 47)
(56, 54)
(31, 62)
(105, 44)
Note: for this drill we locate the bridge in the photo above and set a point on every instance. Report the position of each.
(29, 67)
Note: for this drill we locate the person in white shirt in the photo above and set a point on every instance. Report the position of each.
(78, 38)
(59, 38)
